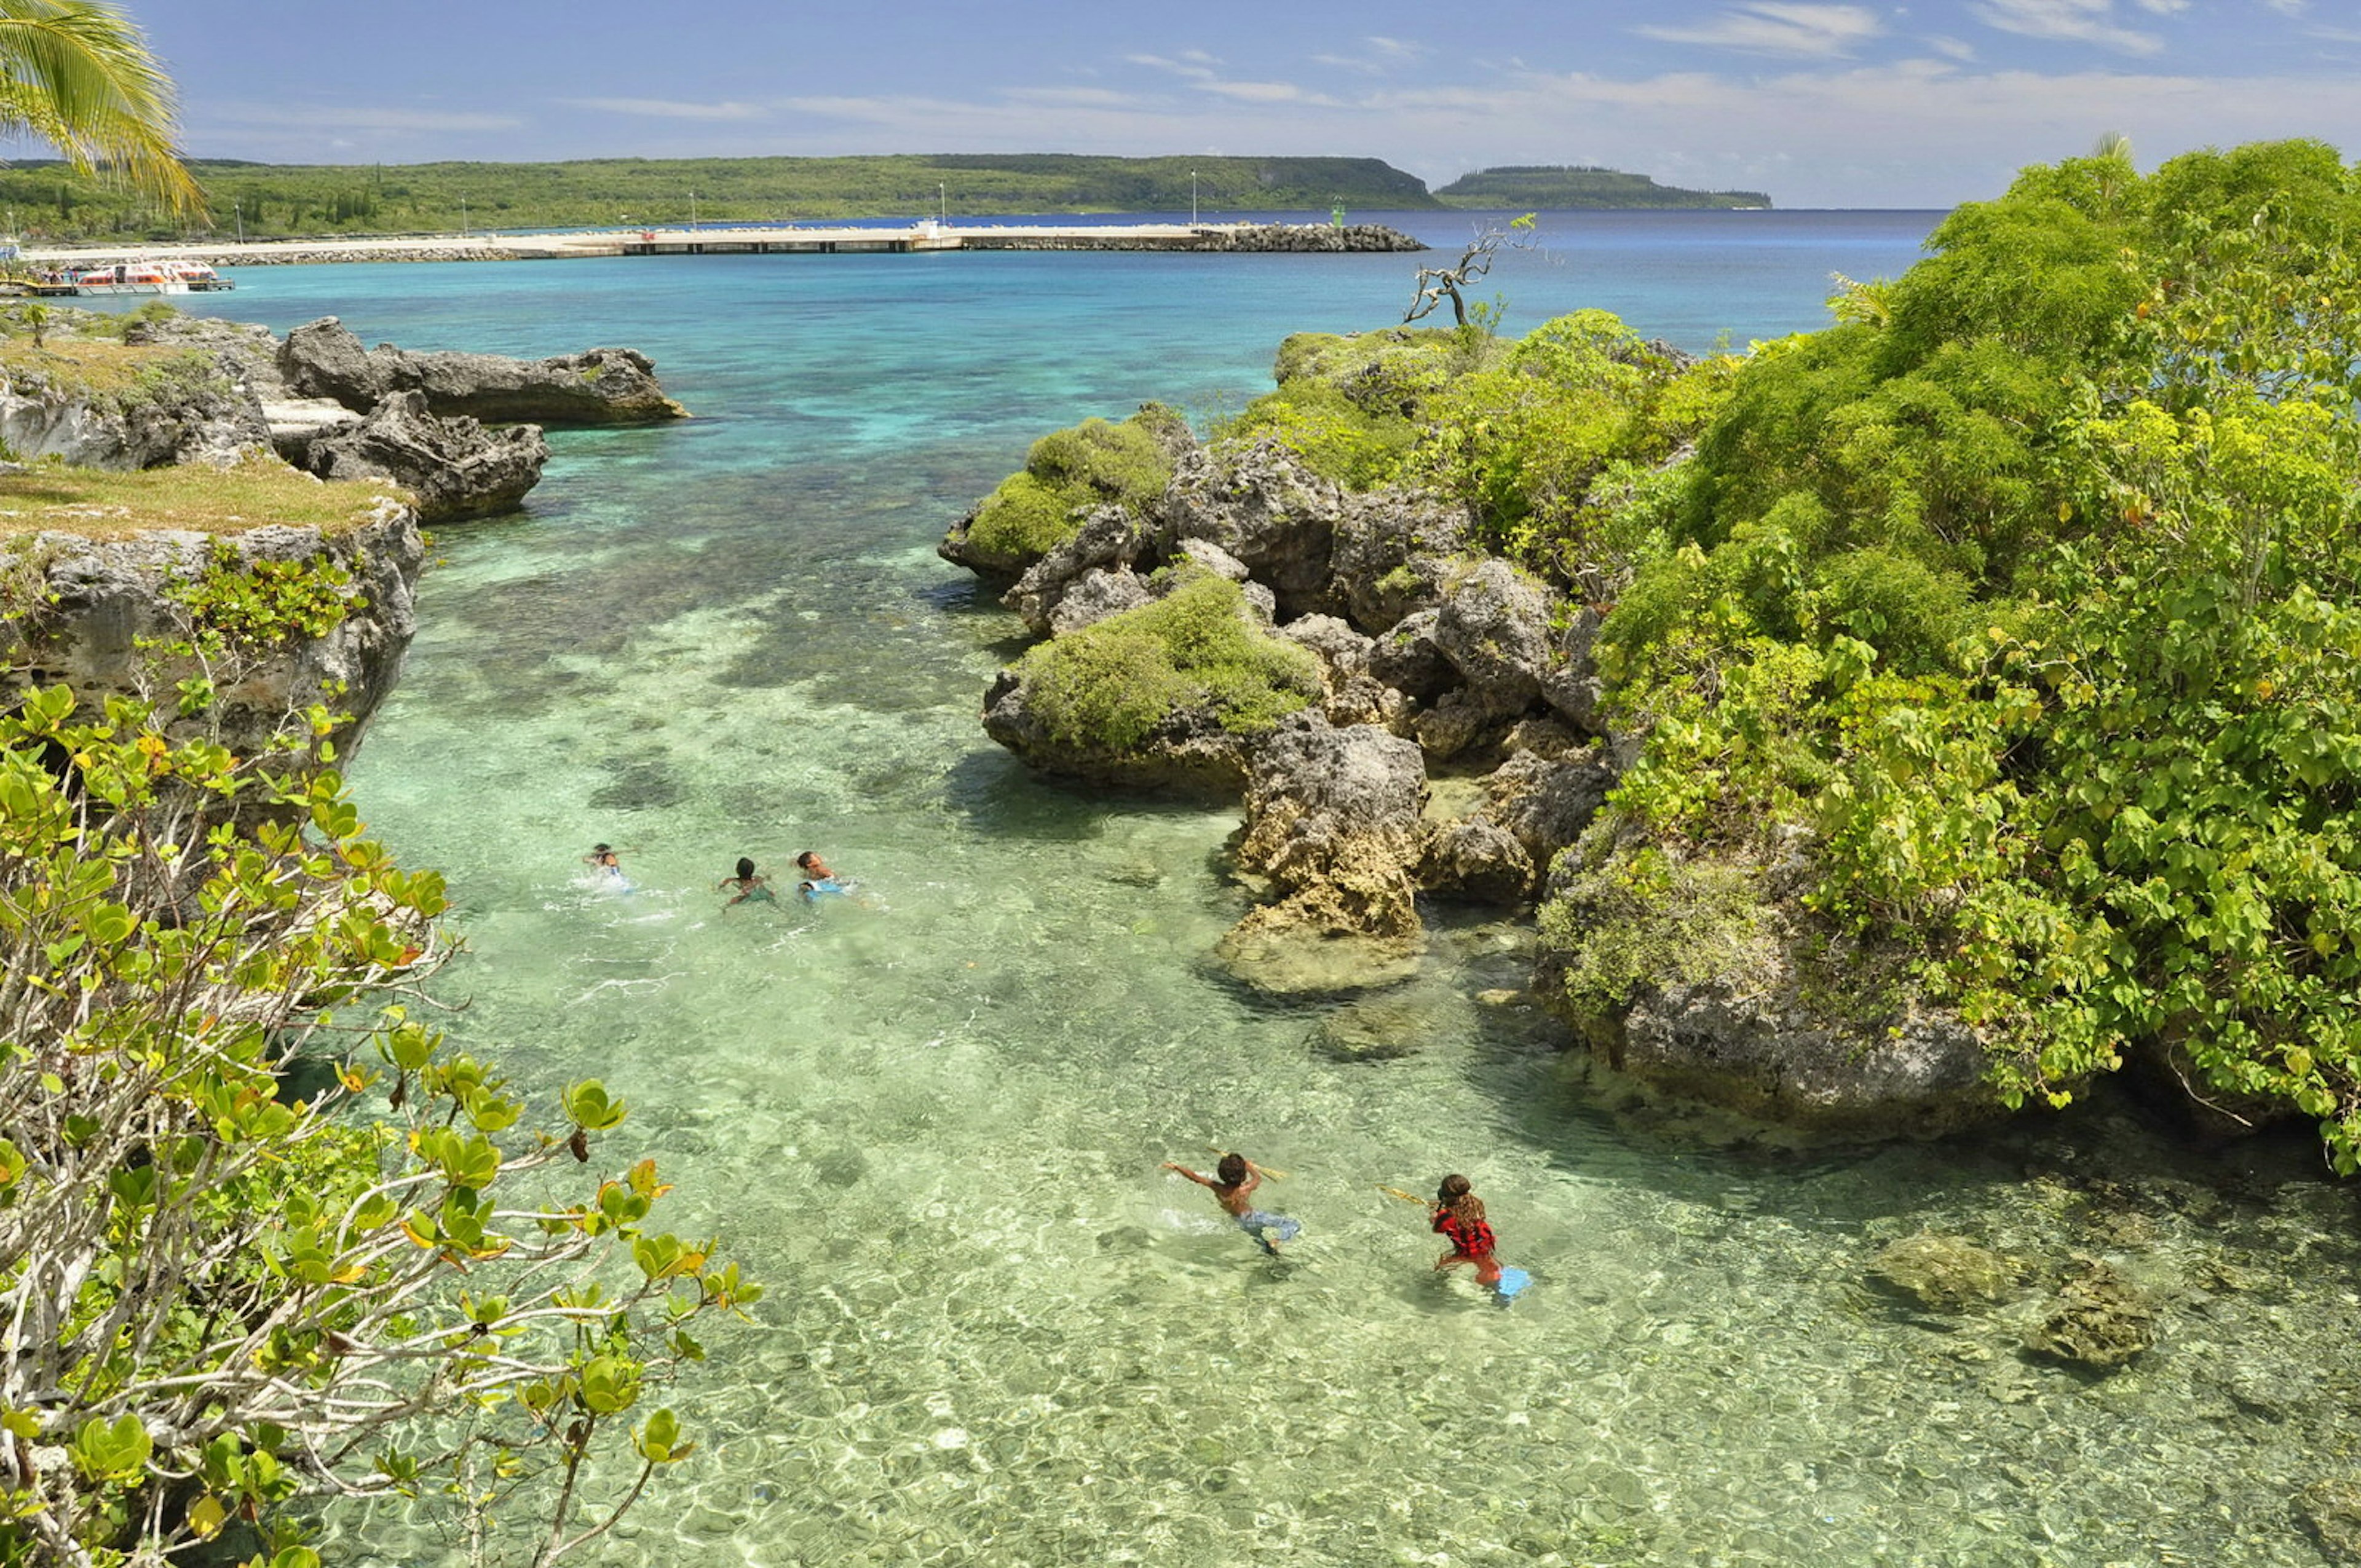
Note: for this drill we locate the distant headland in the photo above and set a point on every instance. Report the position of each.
(1576, 188)
(49, 203)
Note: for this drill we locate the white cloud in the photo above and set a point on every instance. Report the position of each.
(1953, 48)
(1193, 66)
(2081, 21)
(1770, 27)
(668, 109)
(1381, 55)
(351, 117)
(1267, 93)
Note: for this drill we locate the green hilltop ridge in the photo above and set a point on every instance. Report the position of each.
(268, 200)
(1574, 187)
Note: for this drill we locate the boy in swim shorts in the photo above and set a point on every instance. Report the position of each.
(1231, 1180)
(819, 881)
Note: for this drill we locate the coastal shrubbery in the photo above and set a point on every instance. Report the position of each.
(2034, 597)
(1112, 684)
(1068, 472)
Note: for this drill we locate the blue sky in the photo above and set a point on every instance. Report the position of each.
(1822, 104)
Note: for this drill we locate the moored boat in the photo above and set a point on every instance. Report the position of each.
(129, 277)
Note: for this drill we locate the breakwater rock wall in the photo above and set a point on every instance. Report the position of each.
(1259, 238)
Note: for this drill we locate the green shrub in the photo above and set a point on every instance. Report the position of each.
(1334, 436)
(1112, 684)
(1647, 918)
(1066, 474)
(1023, 520)
(1389, 374)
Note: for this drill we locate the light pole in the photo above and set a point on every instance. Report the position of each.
(238, 217)
(942, 202)
(1192, 195)
(463, 217)
(691, 210)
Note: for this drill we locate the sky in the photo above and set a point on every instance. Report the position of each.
(1820, 104)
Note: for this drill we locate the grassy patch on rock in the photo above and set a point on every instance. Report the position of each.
(257, 493)
(1068, 472)
(1644, 918)
(1112, 685)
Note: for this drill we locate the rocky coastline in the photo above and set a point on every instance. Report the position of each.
(97, 601)
(1448, 744)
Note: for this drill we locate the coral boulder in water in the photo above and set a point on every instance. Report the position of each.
(1944, 1273)
(2102, 1319)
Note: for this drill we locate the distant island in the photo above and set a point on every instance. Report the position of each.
(48, 201)
(1574, 188)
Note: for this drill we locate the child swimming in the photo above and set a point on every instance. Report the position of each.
(1459, 1219)
(1231, 1180)
(752, 888)
(819, 881)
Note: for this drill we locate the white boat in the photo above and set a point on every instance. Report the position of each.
(200, 277)
(129, 277)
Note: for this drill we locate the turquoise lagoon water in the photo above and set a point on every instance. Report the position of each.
(997, 1333)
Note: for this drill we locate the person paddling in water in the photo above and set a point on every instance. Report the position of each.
(818, 882)
(1231, 1182)
(602, 861)
(1459, 1219)
(752, 888)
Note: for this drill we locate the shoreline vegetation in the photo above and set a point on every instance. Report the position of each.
(52, 203)
(1894, 726)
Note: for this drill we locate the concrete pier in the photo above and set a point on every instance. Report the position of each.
(752, 239)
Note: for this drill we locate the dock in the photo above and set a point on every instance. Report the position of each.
(928, 236)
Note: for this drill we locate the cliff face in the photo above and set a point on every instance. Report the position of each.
(93, 614)
(189, 406)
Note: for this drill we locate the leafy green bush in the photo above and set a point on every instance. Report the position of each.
(1112, 684)
(1336, 438)
(2038, 601)
(225, 1291)
(1069, 471)
(1525, 442)
(1392, 373)
(1648, 917)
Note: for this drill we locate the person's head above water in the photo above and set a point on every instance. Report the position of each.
(1232, 1171)
(602, 849)
(809, 860)
(745, 869)
(1453, 1190)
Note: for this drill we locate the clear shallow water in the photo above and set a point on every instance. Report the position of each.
(997, 1333)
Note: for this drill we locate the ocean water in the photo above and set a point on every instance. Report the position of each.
(932, 1121)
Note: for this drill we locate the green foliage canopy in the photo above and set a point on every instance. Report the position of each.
(2036, 595)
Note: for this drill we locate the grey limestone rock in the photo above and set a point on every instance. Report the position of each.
(109, 600)
(1407, 658)
(1695, 984)
(202, 411)
(1109, 537)
(1475, 858)
(1190, 753)
(1332, 824)
(601, 386)
(1392, 552)
(1547, 802)
(1094, 596)
(1256, 502)
(454, 466)
(1354, 697)
(1495, 629)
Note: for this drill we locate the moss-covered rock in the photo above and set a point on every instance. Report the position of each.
(1165, 693)
(1693, 976)
(1066, 474)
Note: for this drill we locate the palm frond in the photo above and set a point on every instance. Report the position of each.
(79, 75)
